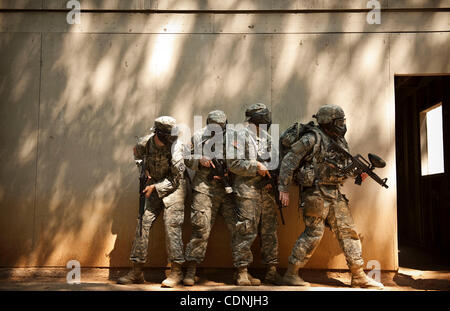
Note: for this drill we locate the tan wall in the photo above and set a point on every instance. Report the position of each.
(74, 97)
(222, 4)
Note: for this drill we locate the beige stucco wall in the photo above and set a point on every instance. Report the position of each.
(74, 97)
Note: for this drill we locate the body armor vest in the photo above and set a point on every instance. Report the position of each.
(323, 165)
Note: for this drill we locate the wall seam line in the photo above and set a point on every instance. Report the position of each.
(391, 82)
(33, 244)
(230, 12)
(271, 74)
(236, 33)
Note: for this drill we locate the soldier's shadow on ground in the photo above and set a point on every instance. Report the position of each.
(154, 275)
(321, 278)
(422, 284)
(151, 275)
(215, 278)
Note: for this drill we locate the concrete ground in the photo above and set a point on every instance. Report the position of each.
(97, 279)
(419, 271)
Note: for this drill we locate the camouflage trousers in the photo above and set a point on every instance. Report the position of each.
(329, 208)
(204, 210)
(256, 216)
(173, 222)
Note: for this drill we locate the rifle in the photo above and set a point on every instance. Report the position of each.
(360, 165)
(142, 184)
(220, 170)
(273, 180)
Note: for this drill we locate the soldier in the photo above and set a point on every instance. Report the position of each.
(209, 196)
(317, 169)
(256, 207)
(162, 153)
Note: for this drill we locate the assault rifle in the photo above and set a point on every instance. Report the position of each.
(358, 164)
(273, 181)
(219, 169)
(142, 184)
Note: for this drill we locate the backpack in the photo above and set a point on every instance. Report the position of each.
(292, 135)
(303, 175)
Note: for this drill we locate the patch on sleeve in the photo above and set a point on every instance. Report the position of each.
(181, 167)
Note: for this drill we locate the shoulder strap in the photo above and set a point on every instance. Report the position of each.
(298, 130)
(311, 128)
(318, 139)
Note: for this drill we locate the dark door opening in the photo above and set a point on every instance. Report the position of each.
(422, 113)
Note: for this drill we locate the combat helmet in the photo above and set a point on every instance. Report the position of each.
(166, 129)
(332, 118)
(217, 117)
(258, 114)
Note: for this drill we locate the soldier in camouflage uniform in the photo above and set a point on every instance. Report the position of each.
(256, 207)
(209, 197)
(162, 153)
(316, 168)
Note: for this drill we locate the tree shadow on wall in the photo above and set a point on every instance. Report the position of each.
(79, 112)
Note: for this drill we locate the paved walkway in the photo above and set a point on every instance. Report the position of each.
(95, 279)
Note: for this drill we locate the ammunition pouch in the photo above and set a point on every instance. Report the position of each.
(305, 176)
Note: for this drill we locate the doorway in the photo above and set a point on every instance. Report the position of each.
(422, 113)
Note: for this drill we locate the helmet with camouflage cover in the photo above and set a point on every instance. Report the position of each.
(217, 117)
(258, 114)
(166, 129)
(328, 113)
(332, 119)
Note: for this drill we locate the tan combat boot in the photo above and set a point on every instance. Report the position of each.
(253, 281)
(134, 276)
(175, 277)
(242, 278)
(272, 276)
(360, 279)
(189, 277)
(291, 277)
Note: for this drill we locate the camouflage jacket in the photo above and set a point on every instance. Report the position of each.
(244, 167)
(166, 167)
(201, 183)
(311, 161)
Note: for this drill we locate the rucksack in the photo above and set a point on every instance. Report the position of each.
(302, 175)
(292, 135)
